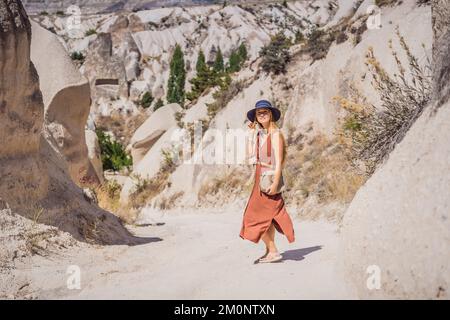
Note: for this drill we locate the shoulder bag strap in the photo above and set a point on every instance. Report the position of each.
(257, 147)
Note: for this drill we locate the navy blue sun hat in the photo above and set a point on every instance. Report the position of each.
(276, 113)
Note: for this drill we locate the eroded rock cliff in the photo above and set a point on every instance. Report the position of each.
(396, 230)
(33, 173)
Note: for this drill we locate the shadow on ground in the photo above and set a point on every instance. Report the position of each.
(299, 254)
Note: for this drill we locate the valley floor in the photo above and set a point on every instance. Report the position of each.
(198, 256)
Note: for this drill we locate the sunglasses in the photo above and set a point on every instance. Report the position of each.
(262, 113)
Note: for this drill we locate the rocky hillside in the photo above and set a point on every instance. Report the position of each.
(364, 108)
(131, 52)
(44, 108)
(109, 6)
(34, 171)
(397, 226)
(105, 6)
(126, 58)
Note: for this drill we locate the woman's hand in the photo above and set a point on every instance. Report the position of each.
(273, 189)
(251, 125)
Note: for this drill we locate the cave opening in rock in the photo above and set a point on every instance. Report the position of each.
(106, 81)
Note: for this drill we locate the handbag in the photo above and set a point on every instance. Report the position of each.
(267, 177)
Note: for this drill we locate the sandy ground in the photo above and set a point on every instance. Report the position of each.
(198, 256)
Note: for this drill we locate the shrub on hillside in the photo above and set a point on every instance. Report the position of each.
(318, 43)
(275, 55)
(90, 32)
(382, 3)
(113, 154)
(146, 100)
(146, 189)
(223, 96)
(372, 133)
(78, 56)
(158, 104)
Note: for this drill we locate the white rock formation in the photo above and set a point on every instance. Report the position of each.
(396, 232)
(137, 88)
(22, 171)
(149, 132)
(105, 71)
(147, 142)
(34, 175)
(67, 100)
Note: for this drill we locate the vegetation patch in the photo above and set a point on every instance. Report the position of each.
(145, 189)
(122, 127)
(146, 100)
(90, 32)
(113, 154)
(319, 169)
(371, 132)
(318, 44)
(226, 187)
(275, 56)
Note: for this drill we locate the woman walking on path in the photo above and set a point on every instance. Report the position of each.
(265, 211)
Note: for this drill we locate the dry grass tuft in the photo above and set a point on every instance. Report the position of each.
(108, 195)
(169, 202)
(123, 127)
(229, 185)
(146, 189)
(321, 168)
(371, 132)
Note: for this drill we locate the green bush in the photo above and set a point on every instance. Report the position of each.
(146, 100)
(234, 62)
(113, 154)
(216, 75)
(90, 32)
(158, 104)
(218, 66)
(237, 59)
(202, 80)
(178, 118)
(276, 56)
(299, 37)
(146, 189)
(318, 44)
(76, 55)
(374, 131)
(222, 97)
(242, 50)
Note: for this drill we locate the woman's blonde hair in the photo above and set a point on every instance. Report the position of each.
(272, 128)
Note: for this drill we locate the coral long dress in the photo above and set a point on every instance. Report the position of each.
(261, 208)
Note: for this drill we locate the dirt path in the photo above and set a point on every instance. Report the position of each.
(199, 256)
